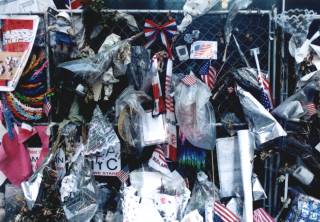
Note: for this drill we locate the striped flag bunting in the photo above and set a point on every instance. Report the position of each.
(260, 215)
(189, 80)
(224, 213)
(123, 174)
(208, 74)
(310, 108)
(46, 106)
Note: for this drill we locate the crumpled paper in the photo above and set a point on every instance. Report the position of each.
(261, 123)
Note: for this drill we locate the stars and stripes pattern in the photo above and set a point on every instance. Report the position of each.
(123, 174)
(152, 31)
(46, 106)
(73, 4)
(208, 74)
(224, 213)
(310, 108)
(203, 50)
(260, 215)
(171, 148)
(265, 94)
(189, 80)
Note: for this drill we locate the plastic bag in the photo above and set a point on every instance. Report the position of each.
(91, 69)
(204, 194)
(78, 191)
(195, 8)
(261, 122)
(138, 72)
(129, 113)
(296, 22)
(233, 11)
(195, 114)
(101, 136)
(300, 104)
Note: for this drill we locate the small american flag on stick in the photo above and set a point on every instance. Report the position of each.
(224, 214)
(208, 74)
(260, 215)
(123, 174)
(46, 106)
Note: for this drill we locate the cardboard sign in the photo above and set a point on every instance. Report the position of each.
(107, 163)
(204, 50)
(34, 153)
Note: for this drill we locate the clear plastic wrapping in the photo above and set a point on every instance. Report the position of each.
(195, 114)
(78, 191)
(300, 104)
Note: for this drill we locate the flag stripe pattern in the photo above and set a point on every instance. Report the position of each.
(123, 174)
(260, 215)
(265, 97)
(203, 50)
(208, 74)
(310, 108)
(189, 80)
(224, 213)
(46, 106)
(73, 4)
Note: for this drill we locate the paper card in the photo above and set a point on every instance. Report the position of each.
(34, 153)
(204, 50)
(107, 163)
(153, 129)
(229, 167)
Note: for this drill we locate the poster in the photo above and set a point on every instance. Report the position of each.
(107, 163)
(16, 41)
(34, 153)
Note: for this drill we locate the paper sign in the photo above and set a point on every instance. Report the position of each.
(153, 129)
(34, 153)
(204, 50)
(107, 163)
(229, 166)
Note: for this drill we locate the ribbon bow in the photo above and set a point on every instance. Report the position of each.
(166, 31)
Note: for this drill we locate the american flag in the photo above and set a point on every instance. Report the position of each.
(310, 108)
(224, 214)
(123, 174)
(260, 215)
(189, 80)
(203, 50)
(46, 106)
(73, 4)
(265, 96)
(208, 74)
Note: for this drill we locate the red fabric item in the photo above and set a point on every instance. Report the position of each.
(14, 156)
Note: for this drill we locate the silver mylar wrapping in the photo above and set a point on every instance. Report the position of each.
(92, 68)
(257, 189)
(264, 126)
(31, 187)
(79, 192)
(101, 136)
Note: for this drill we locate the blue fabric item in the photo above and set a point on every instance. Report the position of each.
(63, 38)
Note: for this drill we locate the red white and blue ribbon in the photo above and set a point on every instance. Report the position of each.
(159, 106)
(152, 31)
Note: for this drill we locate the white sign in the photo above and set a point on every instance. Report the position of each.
(107, 163)
(34, 153)
(204, 50)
